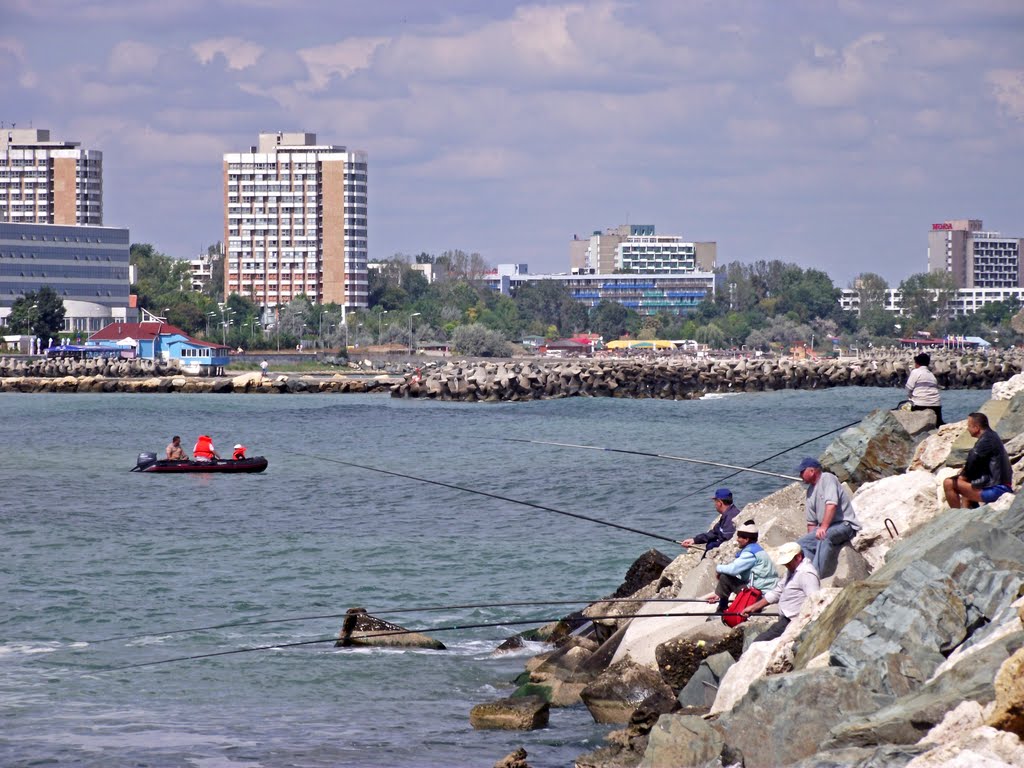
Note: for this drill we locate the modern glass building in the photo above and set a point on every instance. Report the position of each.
(86, 266)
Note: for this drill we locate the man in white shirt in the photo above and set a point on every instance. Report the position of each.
(801, 582)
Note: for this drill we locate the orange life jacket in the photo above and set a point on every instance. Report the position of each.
(239, 454)
(204, 447)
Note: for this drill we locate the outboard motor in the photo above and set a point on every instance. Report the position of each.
(144, 460)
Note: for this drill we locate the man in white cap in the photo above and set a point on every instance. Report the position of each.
(801, 582)
(751, 568)
(831, 519)
(239, 452)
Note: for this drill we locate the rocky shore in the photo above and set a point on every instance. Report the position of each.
(687, 379)
(516, 380)
(911, 655)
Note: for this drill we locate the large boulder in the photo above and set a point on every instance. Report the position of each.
(1008, 713)
(682, 740)
(617, 692)
(784, 718)
(702, 687)
(362, 629)
(878, 447)
(679, 658)
(893, 505)
(519, 713)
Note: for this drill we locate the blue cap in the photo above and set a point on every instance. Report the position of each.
(807, 463)
(722, 494)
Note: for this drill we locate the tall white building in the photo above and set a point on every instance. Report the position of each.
(49, 182)
(638, 249)
(295, 222)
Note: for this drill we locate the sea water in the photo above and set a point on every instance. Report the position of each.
(92, 551)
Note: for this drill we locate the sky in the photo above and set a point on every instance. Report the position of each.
(831, 135)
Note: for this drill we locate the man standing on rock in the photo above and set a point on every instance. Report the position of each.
(801, 582)
(987, 474)
(724, 527)
(831, 521)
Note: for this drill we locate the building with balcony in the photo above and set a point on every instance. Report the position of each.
(975, 258)
(637, 248)
(49, 182)
(295, 222)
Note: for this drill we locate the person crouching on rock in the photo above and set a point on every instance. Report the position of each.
(987, 473)
(801, 582)
(724, 527)
(751, 568)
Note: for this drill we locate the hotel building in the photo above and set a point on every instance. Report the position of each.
(48, 182)
(295, 222)
(975, 258)
(638, 249)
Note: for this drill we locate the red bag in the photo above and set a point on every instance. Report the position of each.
(746, 596)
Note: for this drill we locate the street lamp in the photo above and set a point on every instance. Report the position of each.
(412, 347)
(252, 332)
(320, 335)
(208, 316)
(380, 320)
(166, 310)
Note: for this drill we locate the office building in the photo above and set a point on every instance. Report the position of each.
(648, 294)
(975, 258)
(295, 222)
(638, 249)
(49, 182)
(86, 266)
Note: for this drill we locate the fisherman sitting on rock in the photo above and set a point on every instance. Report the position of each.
(751, 568)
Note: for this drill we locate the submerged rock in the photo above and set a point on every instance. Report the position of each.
(516, 713)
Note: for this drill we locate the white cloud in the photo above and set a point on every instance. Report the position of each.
(834, 80)
(27, 78)
(1007, 87)
(342, 58)
(132, 58)
(238, 53)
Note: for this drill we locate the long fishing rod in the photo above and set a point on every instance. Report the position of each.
(764, 461)
(489, 495)
(652, 455)
(390, 611)
(449, 628)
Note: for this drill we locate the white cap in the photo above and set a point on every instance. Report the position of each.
(238, 445)
(787, 552)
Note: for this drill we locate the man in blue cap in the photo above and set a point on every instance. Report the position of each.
(831, 520)
(723, 528)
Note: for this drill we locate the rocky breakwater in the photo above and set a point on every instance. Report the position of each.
(62, 367)
(911, 655)
(685, 379)
(247, 383)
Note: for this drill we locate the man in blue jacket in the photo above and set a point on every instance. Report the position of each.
(723, 528)
(751, 568)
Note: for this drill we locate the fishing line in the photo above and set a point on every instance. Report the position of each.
(389, 611)
(489, 495)
(762, 461)
(449, 628)
(653, 455)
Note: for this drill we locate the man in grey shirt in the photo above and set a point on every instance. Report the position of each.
(831, 521)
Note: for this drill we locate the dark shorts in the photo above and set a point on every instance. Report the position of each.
(988, 495)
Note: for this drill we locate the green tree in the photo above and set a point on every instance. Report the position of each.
(926, 298)
(612, 320)
(479, 341)
(38, 313)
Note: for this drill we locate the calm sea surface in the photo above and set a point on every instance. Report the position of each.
(93, 551)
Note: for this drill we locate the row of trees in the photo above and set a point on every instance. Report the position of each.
(761, 305)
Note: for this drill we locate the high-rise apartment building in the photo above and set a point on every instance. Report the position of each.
(638, 249)
(975, 258)
(295, 222)
(49, 182)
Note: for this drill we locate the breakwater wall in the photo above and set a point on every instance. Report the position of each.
(56, 367)
(675, 379)
(248, 383)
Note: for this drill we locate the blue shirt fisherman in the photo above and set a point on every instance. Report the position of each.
(751, 568)
(724, 527)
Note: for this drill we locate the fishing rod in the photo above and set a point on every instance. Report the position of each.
(390, 611)
(763, 461)
(392, 633)
(489, 495)
(652, 455)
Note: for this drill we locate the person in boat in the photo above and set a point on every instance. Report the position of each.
(204, 450)
(723, 528)
(831, 518)
(174, 451)
(239, 452)
(801, 582)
